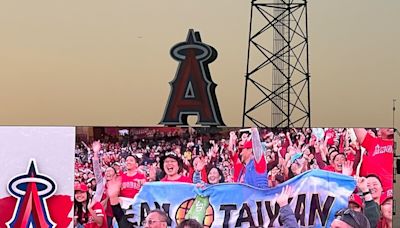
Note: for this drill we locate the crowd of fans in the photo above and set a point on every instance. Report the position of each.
(204, 158)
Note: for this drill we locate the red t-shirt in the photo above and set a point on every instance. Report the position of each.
(181, 179)
(237, 166)
(99, 210)
(378, 160)
(129, 184)
(329, 168)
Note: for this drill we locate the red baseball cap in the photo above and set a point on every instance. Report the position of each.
(356, 199)
(248, 145)
(386, 195)
(81, 187)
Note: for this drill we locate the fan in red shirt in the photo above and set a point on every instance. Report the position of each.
(87, 213)
(131, 180)
(172, 165)
(379, 157)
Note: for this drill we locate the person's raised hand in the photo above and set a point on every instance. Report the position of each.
(96, 146)
(283, 198)
(362, 184)
(347, 168)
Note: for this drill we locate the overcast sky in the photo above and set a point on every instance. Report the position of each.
(108, 63)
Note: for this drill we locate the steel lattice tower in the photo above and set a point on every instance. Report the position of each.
(277, 72)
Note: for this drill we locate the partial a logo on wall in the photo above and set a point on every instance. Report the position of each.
(33, 203)
(192, 89)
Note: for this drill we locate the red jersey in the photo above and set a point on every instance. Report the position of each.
(130, 185)
(181, 179)
(378, 160)
(99, 210)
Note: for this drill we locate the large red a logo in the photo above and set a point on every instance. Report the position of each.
(33, 203)
(192, 90)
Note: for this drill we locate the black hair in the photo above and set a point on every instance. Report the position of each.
(178, 159)
(374, 175)
(221, 174)
(191, 223)
(135, 157)
(329, 156)
(334, 157)
(312, 150)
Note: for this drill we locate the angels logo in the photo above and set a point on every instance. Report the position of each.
(33, 203)
(192, 90)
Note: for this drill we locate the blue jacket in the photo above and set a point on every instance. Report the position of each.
(251, 177)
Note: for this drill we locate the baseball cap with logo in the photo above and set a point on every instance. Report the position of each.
(356, 199)
(386, 195)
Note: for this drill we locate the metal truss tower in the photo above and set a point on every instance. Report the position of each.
(277, 88)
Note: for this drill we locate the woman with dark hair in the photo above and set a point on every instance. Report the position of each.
(87, 213)
(214, 174)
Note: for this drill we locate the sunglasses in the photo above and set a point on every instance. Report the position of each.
(347, 211)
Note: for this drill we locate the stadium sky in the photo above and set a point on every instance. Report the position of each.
(107, 63)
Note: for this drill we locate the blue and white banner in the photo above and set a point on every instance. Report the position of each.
(317, 195)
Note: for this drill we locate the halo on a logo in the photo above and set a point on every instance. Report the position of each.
(179, 51)
(46, 186)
